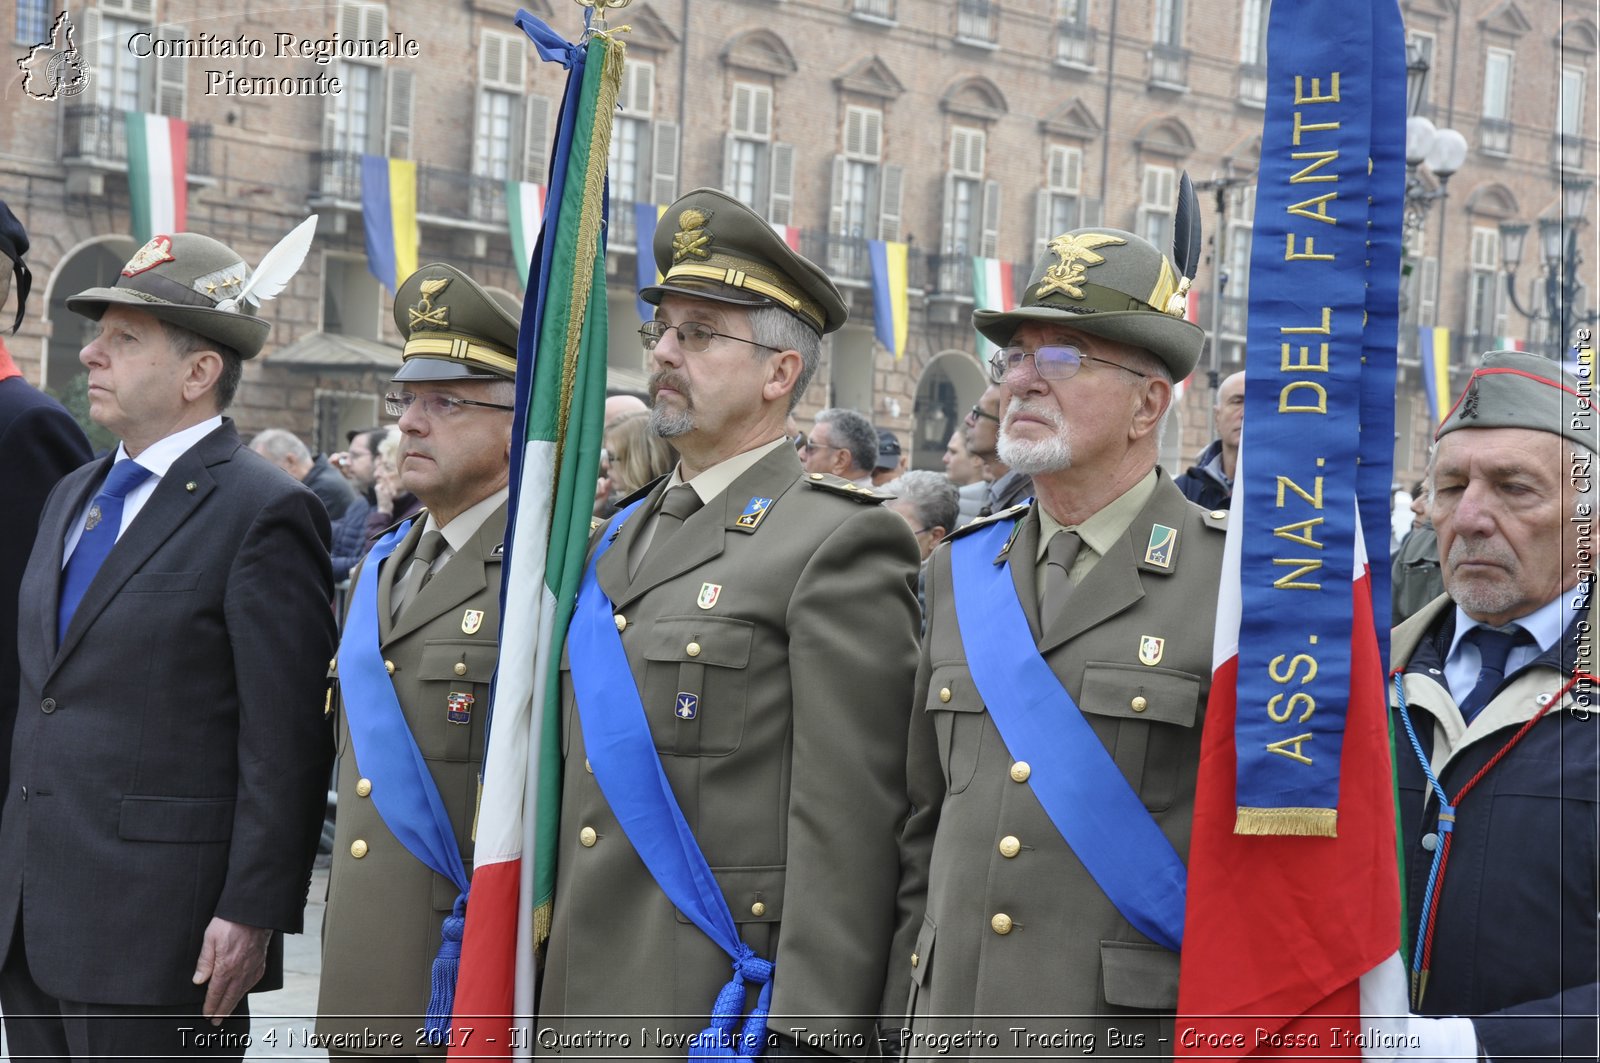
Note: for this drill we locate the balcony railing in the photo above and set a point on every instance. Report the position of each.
(1494, 136)
(1075, 45)
(977, 21)
(874, 10)
(1252, 85)
(100, 135)
(1567, 152)
(338, 175)
(1169, 66)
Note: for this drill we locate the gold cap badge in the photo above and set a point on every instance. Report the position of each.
(691, 237)
(1076, 254)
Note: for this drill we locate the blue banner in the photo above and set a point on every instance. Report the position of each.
(1314, 284)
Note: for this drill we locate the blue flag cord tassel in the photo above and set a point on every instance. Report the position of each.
(446, 965)
(718, 1041)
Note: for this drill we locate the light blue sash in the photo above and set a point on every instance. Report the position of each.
(628, 770)
(403, 790)
(1080, 787)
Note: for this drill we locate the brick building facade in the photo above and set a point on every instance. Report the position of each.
(964, 127)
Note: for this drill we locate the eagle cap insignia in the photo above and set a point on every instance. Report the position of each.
(423, 314)
(691, 237)
(151, 255)
(1076, 254)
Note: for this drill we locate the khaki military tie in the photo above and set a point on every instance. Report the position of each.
(1059, 556)
(677, 505)
(420, 570)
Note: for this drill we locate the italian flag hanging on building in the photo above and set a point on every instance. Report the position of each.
(158, 174)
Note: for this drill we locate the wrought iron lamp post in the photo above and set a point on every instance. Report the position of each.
(1558, 248)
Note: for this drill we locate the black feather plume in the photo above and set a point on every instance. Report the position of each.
(1186, 236)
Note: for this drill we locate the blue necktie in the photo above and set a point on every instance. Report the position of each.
(99, 536)
(1494, 648)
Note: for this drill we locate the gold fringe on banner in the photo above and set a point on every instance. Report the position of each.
(1289, 822)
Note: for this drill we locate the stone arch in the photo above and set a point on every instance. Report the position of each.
(975, 97)
(760, 51)
(1579, 34)
(951, 381)
(1165, 135)
(1493, 200)
(91, 263)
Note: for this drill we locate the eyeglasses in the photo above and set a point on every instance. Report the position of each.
(693, 336)
(1053, 361)
(435, 405)
(975, 413)
(811, 446)
(799, 441)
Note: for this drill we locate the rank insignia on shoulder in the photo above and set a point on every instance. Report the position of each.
(755, 511)
(687, 707)
(498, 551)
(459, 707)
(471, 621)
(1162, 541)
(709, 593)
(1150, 649)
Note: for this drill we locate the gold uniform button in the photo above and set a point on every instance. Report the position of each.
(758, 909)
(1218, 514)
(1010, 846)
(587, 766)
(461, 668)
(817, 476)
(693, 649)
(915, 959)
(1001, 923)
(944, 694)
(1020, 771)
(363, 787)
(388, 666)
(358, 848)
(1139, 704)
(622, 622)
(587, 837)
(333, 665)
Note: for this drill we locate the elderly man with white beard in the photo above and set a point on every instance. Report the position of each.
(1096, 603)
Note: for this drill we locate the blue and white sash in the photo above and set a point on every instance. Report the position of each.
(1082, 790)
(628, 770)
(403, 790)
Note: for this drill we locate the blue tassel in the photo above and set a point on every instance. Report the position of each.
(719, 1041)
(446, 965)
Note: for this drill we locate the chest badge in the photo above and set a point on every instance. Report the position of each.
(471, 621)
(458, 707)
(1162, 541)
(1151, 649)
(755, 511)
(94, 519)
(687, 706)
(709, 593)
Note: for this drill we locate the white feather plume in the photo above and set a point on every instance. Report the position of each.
(277, 267)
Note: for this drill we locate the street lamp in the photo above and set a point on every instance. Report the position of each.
(1558, 248)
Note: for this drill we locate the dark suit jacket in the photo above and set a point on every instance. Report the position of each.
(170, 758)
(39, 444)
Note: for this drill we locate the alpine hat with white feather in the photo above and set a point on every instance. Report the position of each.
(203, 285)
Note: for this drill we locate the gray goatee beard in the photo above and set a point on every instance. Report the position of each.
(666, 421)
(1035, 456)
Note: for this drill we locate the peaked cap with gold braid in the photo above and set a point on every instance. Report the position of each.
(454, 329)
(711, 246)
(1110, 283)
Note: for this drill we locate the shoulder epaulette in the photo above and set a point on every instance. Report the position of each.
(838, 485)
(1216, 518)
(1005, 514)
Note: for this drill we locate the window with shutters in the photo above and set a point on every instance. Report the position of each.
(1423, 44)
(1060, 208)
(33, 22)
(116, 70)
(1428, 292)
(1169, 22)
(1486, 316)
(751, 160)
(1157, 205)
(631, 157)
(1253, 52)
(971, 211)
(496, 155)
(1074, 36)
(1494, 129)
(372, 115)
(1169, 59)
(1569, 119)
(866, 194)
(121, 81)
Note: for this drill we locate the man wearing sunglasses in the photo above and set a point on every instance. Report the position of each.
(415, 665)
(1007, 487)
(1093, 606)
(763, 627)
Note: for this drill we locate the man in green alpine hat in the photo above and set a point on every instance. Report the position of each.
(1111, 578)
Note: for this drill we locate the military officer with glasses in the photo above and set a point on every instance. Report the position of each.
(415, 666)
(766, 628)
(1094, 605)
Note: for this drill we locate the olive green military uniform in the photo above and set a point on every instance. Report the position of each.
(381, 929)
(1017, 934)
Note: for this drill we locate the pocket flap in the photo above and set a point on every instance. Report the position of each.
(1135, 692)
(1134, 975)
(176, 819)
(951, 689)
(753, 894)
(161, 582)
(720, 641)
(440, 660)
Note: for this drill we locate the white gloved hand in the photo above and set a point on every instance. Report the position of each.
(1397, 1034)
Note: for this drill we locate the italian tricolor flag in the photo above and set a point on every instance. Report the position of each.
(993, 288)
(158, 174)
(525, 213)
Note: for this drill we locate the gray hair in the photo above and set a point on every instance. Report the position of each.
(935, 498)
(1583, 467)
(1145, 361)
(186, 341)
(279, 443)
(855, 434)
(773, 326)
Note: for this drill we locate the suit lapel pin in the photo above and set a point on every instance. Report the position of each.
(709, 593)
(755, 511)
(1162, 541)
(471, 621)
(191, 487)
(1150, 649)
(458, 707)
(687, 707)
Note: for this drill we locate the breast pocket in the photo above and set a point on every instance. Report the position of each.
(958, 720)
(454, 677)
(1146, 717)
(696, 683)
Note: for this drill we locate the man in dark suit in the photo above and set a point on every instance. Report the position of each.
(169, 768)
(39, 444)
